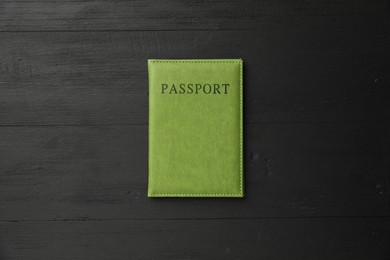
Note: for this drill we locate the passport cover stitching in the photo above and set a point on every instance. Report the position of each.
(240, 194)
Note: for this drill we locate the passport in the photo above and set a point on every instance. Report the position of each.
(195, 131)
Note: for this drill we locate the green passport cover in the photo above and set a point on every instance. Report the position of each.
(195, 128)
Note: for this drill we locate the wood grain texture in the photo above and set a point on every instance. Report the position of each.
(74, 114)
(101, 78)
(100, 172)
(366, 238)
(81, 15)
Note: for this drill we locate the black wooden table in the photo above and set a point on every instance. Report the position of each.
(74, 120)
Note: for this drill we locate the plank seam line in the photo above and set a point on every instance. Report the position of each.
(193, 219)
(248, 123)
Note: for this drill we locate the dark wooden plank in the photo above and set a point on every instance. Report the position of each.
(101, 77)
(32, 15)
(100, 172)
(362, 238)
